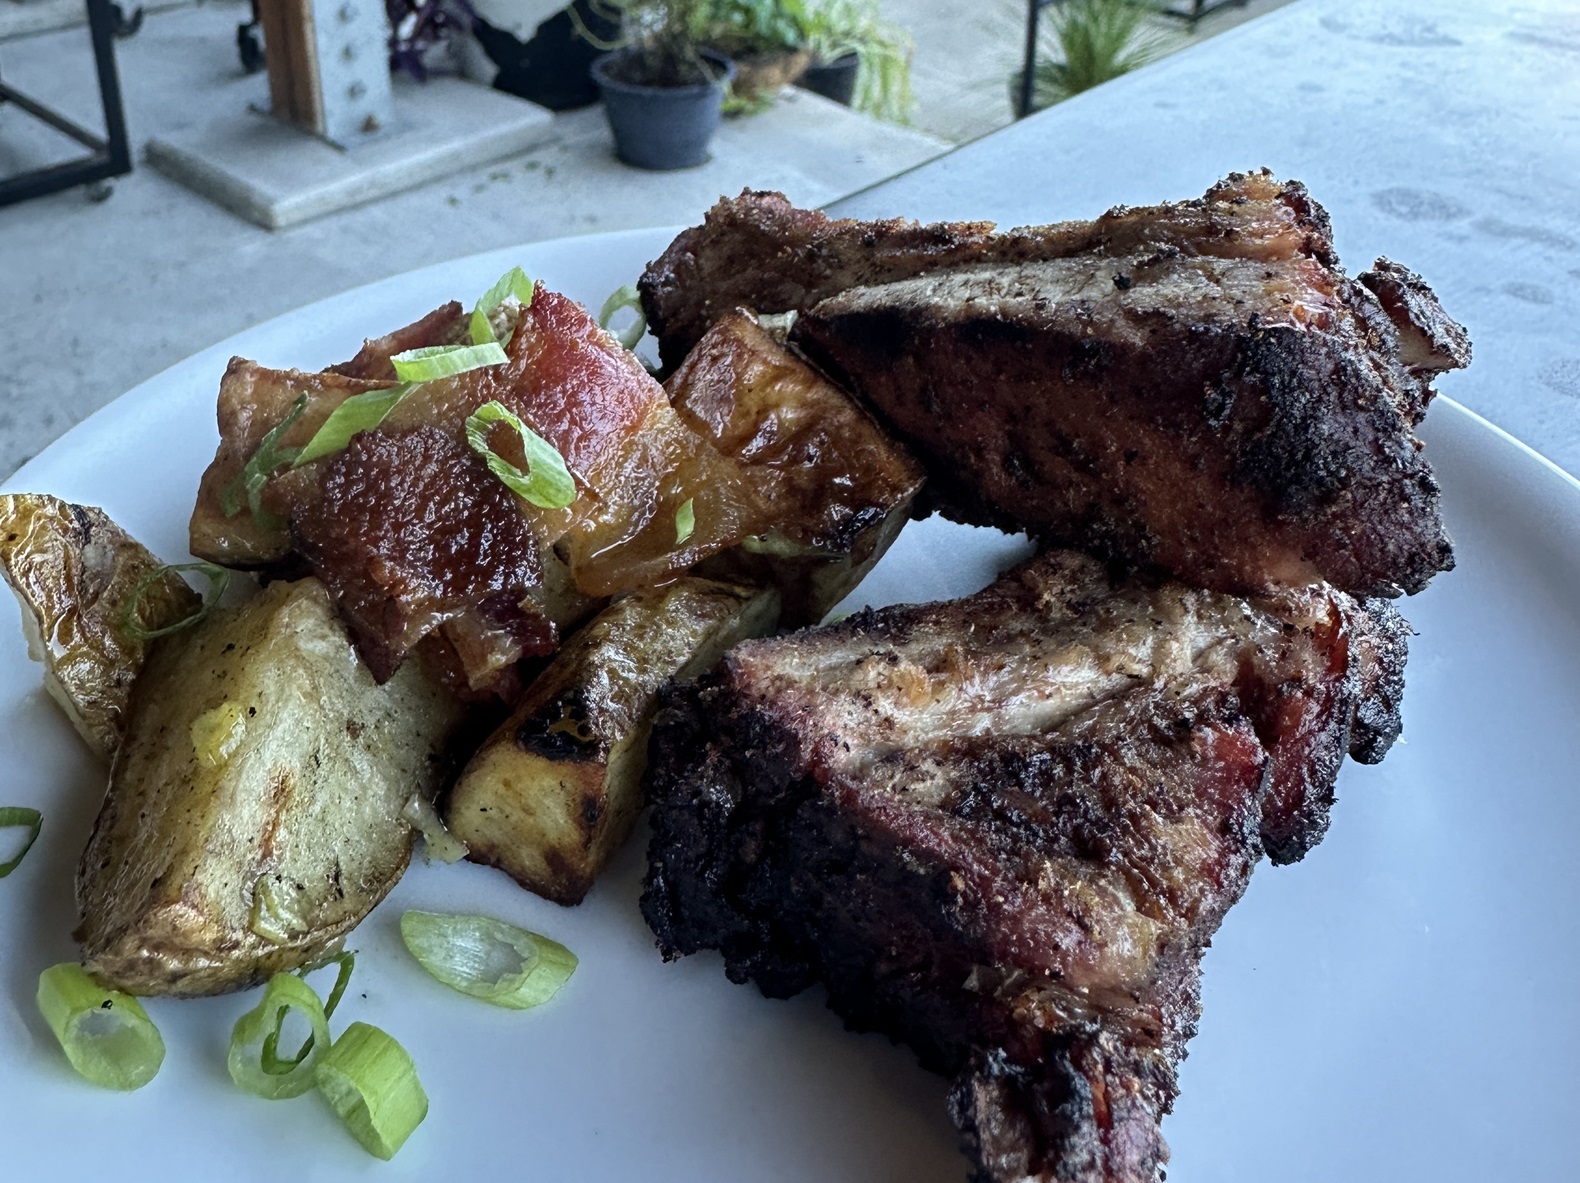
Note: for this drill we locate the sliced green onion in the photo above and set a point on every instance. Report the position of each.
(17, 816)
(371, 1082)
(130, 622)
(626, 297)
(514, 282)
(346, 962)
(437, 841)
(106, 1035)
(685, 522)
(488, 958)
(444, 361)
(254, 475)
(547, 483)
(254, 1059)
(360, 412)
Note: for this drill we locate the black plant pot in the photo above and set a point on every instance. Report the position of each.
(836, 80)
(661, 127)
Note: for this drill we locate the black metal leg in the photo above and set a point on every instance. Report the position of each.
(109, 155)
(1027, 93)
(1199, 9)
(104, 18)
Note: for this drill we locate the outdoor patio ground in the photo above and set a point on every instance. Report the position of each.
(96, 296)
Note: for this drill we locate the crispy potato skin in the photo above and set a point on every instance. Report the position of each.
(254, 809)
(555, 790)
(838, 487)
(73, 571)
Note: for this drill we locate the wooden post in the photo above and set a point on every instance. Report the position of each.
(329, 66)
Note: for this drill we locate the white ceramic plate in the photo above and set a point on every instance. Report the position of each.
(1400, 1006)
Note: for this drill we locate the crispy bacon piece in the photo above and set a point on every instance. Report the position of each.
(1195, 386)
(445, 325)
(1004, 829)
(636, 463)
(819, 474)
(410, 532)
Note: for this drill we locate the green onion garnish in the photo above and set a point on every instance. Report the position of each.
(360, 412)
(488, 958)
(106, 1035)
(547, 483)
(130, 622)
(685, 521)
(445, 361)
(254, 1060)
(344, 963)
(512, 283)
(249, 482)
(371, 1082)
(13, 817)
(626, 297)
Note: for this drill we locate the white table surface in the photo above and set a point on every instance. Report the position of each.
(1444, 134)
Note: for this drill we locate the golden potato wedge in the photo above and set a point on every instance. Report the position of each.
(73, 571)
(254, 809)
(554, 791)
(841, 489)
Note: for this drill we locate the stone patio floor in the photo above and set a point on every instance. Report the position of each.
(96, 296)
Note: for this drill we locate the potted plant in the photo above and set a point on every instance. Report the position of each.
(663, 90)
(1099, 40)
(858, 58)
(764, 40)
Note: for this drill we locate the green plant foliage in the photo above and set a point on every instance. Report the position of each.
(1098, 40)
(834, 28)
(666, 38)
(743, 28)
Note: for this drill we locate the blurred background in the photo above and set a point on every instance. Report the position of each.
(175, 171)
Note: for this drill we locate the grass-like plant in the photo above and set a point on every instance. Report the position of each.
(834, 28)
(665, 38)
(1098, 40)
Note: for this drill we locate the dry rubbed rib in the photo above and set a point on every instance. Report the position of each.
(1194, 386)
(1004, 829)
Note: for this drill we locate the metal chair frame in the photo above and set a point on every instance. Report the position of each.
(109, 155)
(1023, 98)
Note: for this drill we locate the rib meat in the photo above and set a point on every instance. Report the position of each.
(1004, 829)
(1196, 386)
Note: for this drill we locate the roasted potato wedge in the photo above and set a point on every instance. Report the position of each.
(254, 809)
(74, 572)
(554, 791)
(840, 489)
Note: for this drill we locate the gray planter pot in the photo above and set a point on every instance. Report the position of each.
(836, 80)
(661, 127)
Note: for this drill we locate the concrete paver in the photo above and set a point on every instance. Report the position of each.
(966, 54)
(96, 297)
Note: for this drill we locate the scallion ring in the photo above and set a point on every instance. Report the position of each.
(254, 475)
(20, 817)
(345, 963)
(360, 412)
(626, 297)
(685, 521)
(514, 282)
(106, 1035)
(487, 958)
(445, 361)
(130, 622)
(547, 483)
(254, 1059)
(371, 1083)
